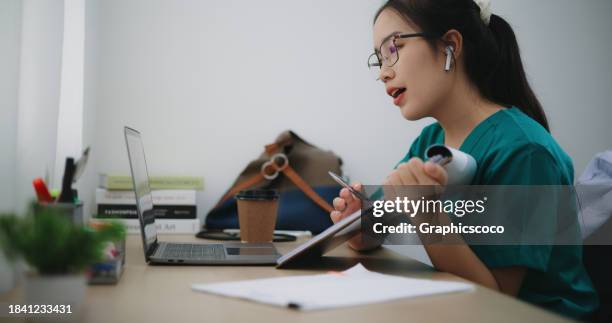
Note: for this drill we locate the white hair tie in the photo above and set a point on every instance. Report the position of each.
(485, 10)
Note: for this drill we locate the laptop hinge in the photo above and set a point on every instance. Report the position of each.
(152, 250)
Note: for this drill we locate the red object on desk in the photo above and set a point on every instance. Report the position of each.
(41, 191)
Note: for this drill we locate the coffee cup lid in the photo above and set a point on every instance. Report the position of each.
(257, 195)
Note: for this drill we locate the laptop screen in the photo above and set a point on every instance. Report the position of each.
(140, 178)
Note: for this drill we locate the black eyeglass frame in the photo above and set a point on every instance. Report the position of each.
(394, 37)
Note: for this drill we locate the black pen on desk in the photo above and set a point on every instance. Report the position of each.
(294, 306)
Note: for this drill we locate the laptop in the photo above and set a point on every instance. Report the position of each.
(158, 252)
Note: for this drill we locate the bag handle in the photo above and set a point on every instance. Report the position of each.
(269, 170)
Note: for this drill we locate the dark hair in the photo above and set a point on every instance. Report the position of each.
(491, 53)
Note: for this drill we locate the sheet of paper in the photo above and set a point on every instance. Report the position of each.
(355, 286)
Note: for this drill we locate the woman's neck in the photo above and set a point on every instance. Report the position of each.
(463, 110)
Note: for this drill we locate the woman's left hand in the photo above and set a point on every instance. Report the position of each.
(416, 172)
(415, 179)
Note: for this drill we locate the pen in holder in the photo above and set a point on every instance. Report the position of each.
(460, 168)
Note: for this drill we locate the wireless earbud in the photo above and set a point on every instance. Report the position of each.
(449, 57)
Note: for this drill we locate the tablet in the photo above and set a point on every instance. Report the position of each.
(325, 241)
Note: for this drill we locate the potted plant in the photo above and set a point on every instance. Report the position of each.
(57, 252)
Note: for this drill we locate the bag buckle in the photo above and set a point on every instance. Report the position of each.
(276, 164)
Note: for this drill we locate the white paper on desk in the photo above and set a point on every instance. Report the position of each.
(355, 286)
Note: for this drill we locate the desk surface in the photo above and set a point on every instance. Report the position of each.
(163, 294)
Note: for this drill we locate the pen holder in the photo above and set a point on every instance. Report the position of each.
(73, 211)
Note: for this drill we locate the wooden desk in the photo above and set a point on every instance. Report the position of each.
(163, 294)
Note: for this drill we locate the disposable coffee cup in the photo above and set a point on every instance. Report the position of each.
(257, 214)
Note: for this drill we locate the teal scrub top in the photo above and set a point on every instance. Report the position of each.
(510, 148)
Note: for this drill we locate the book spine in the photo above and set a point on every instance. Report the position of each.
(128, 211)
(190, 226)
(118, 182)
(160, 197)
(113, 182)
(177, 183)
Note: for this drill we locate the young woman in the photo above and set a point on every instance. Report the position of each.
(456, 62)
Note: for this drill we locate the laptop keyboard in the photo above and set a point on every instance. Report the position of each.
(193, 251)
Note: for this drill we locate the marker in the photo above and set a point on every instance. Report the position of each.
(42, 192)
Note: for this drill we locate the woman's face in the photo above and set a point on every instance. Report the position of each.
(419, 69)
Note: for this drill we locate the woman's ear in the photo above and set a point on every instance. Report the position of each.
(454, 39)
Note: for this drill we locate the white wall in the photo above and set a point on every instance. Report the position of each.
(88, 180)
(566, 47)
(210, 82)
(70, 110)
(39, 84)
(10, 28)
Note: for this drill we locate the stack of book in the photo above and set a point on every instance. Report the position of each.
(174, 202)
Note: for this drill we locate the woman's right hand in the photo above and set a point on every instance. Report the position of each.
(345, 205)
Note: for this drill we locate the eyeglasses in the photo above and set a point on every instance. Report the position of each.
(387, 55)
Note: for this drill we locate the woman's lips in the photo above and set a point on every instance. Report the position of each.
(399, 99)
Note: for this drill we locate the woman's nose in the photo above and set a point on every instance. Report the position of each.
(386, 73)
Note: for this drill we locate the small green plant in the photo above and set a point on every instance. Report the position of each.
(49, 241)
